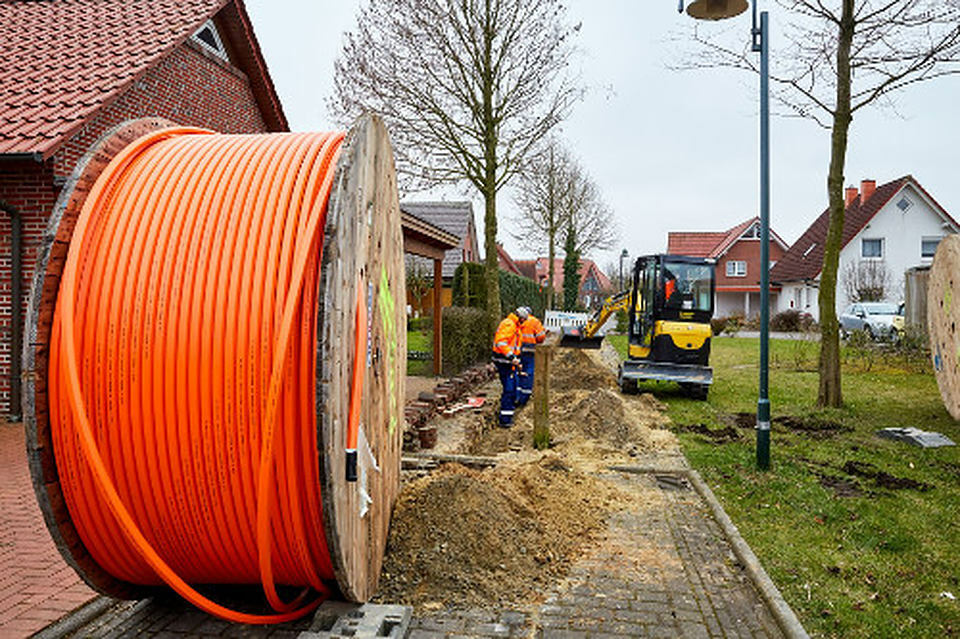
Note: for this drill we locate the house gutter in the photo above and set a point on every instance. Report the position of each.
(16, 311)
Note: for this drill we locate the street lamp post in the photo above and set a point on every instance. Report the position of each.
(623, 256)
(760, 43)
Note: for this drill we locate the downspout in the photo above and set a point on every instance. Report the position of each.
(16, 310)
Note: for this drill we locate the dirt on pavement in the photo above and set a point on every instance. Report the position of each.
(498, 537)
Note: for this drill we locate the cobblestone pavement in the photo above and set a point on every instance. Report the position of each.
(664, 569)
(36, 585)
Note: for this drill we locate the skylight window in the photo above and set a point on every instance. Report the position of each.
(807, 252)
(208, 36)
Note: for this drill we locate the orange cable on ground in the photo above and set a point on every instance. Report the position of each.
(183, 365)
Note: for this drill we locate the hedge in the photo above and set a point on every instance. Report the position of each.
(466, 338)
(470, 289)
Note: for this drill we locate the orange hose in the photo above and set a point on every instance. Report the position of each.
(183, 365)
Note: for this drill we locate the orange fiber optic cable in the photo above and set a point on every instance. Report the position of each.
(183, 365)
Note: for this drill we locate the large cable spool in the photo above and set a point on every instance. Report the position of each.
(347, 326)
(943, 321)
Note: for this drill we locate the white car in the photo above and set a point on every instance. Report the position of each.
(878, 319)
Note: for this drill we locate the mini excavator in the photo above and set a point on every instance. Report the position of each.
(669, 305)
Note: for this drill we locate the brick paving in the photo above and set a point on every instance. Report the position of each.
(662, 569)
(36, 586)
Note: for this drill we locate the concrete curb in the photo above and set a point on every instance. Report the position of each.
(75, 620)
(777, 605)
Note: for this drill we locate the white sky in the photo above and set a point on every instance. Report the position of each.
(670, 150)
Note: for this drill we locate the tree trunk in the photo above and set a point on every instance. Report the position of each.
(830, 391)
(491, 265)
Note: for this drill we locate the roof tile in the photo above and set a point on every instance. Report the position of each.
(74, 55)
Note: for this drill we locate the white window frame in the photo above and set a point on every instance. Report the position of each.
(863, 242)
(929, 238)
(220, 51)
(734, 270)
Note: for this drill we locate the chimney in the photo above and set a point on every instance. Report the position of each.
(850, 195)
(867, 187)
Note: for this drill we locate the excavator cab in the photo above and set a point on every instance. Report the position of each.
(671, 304)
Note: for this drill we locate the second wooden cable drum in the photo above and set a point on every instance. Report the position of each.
(943, 321)
(217, 334)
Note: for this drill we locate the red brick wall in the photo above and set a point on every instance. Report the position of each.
(749, 251)
(189, 86)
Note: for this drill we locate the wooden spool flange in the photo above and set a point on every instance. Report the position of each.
(363, 247)
(943, 321)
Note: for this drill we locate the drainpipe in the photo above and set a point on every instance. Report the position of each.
(16, 310)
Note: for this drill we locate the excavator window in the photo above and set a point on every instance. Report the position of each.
(687, 286)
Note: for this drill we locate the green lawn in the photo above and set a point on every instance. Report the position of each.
(420, 341)
(872, 565)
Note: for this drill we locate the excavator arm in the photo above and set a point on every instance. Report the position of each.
(586, 335)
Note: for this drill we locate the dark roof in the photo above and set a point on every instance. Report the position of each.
(63, 60)
(804, 260)
(453, 217)
(711, 243)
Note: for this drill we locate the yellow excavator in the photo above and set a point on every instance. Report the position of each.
(669, 305)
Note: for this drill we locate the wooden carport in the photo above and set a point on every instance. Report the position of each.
(432, 242)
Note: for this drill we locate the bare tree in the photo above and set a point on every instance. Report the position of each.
(467, 88)
(842, 56)
(419, 281)
(555, 193)
(866, 281)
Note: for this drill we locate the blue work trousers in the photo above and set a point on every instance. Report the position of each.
(525, 379)
(508, 379)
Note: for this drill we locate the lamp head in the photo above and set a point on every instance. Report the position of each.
(716, 9)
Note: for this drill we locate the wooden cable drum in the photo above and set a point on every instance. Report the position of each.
(943, 321)
(214, 375)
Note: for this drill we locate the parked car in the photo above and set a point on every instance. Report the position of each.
(878, 319)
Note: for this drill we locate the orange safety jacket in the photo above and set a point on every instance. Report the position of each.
(531, 334)
(506, 341)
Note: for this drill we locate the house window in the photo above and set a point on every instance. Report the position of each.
(736, 268)
(208, 37)
(928, 246)
(904, 203)
(871, 248)
(753, 233)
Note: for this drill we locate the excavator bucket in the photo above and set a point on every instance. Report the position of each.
(573, 338)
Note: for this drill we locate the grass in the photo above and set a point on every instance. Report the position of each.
(420, 341)
(872, 565)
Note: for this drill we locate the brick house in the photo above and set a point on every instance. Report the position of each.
(595, 286)
(887, 229)
(737, 254)
(72, 69)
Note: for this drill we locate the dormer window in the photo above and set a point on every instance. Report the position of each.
(752, 233)
(209, 38)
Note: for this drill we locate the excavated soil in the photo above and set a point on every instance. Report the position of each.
(499, 537)
(492, 538)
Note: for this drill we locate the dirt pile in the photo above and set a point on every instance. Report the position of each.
(461, 537)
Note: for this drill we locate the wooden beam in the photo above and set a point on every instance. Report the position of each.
(416, 246)
(437, 317)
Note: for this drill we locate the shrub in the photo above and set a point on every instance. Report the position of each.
(470, 289)
(466, 338)
(623, 321)
(718, 324)
(791, 321)
(423, 324)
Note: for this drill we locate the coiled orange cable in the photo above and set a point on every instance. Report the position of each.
(182, 365)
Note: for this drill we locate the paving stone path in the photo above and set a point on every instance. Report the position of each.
(36, 586)
(661, 570)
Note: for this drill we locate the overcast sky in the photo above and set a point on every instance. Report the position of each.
(671, 151)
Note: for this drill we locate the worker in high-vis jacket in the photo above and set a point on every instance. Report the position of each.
(531, 334)
(506, 351)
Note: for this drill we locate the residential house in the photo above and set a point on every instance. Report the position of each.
(73, 69)
(737, 254)
(595, 286)
(887, 229)
(453, 217)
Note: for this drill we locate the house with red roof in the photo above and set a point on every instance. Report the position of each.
(737, 255)
(70, 70)
(888, 228)
(595, 286)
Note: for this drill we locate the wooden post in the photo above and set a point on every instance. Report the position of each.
(437, 315)
(542, 356)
